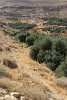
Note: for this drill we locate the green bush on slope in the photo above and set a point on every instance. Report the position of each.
(50, 50)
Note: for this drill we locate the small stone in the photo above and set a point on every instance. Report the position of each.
(15, 94)
(7, 96)
(22, 98)
(3, 92)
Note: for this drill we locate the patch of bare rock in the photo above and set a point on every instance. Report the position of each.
(5, 95)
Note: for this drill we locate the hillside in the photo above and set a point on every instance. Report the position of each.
(20, 74)
(33, 49)
(33, 8)
(29, 73)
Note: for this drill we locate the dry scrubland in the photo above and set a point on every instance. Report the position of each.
(19, 73)
(22, 78)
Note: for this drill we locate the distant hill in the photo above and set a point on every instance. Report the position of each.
(33, 8)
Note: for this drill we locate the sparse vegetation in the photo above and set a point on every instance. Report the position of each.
(56, 29)
(29, 92)
(56, 21)
(28, 36)
(58, 25)
(51, 50)
(3, 72)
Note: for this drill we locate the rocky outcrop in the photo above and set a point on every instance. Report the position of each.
(5, 95)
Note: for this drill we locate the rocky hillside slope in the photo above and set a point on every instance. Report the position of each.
(32, 8)
(21, 78)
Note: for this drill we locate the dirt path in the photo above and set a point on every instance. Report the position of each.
(37, 72)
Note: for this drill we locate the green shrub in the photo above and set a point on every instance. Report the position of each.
(62, 69)
(16, 33)
(56, 58)
(34, 51)
(46, 44)
(40, 56)
(49, 50)
(8, 33)
(22, 36)
(24, 26)
(61, 47)
(31, 38)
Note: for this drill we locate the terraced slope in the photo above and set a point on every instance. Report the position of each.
(32, 8)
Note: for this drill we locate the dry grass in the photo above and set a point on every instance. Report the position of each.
(7, 84)
(4, 72)
(33, 93)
